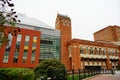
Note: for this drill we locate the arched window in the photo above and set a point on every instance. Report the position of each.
(81, 50)
(116, 52)
(91, 50)
(95, 51)
(86, 49)
(113, 52)
(104, 51)
(100, 51)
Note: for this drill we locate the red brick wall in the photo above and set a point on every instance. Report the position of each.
(65, 37)
(110, 33)
(28, 63)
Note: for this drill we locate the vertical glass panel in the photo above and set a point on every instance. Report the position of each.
(7, 49)
(16, 53)
(27, 38)
(33, 49)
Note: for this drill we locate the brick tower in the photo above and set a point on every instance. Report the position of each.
(63, 23)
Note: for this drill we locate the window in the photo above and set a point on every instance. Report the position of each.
(26, 48)
(33, 49)
(7, 49)
(91, 50)
(81, 50)
(116, 52)
(16, 53)
(95, 51)
(100, 51)
(87, 50)
(104, 51)
(49, 44)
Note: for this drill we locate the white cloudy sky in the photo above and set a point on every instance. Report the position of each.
(88, 16)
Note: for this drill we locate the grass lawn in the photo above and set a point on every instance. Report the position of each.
(76, 77)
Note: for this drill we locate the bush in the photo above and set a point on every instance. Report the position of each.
(50, 69)
(16, 74)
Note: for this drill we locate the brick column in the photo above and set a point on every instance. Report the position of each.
(108, 63)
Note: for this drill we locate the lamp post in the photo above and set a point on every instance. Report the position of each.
(72, 71)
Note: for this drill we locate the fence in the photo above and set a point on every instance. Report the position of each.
(81, 74)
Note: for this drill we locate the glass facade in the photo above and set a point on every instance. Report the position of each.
(49, 47)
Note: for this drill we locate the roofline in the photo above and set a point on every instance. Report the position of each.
(110, 26)
(36, 26)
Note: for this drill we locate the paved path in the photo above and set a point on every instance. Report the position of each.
(106, 77)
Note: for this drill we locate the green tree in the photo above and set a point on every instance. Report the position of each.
(53, 69)
(7, 17)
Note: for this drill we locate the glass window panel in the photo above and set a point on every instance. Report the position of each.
(27, 38)
(33, 49)
(7, 49)
(16, 53)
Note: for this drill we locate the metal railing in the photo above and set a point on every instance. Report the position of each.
(84, 73)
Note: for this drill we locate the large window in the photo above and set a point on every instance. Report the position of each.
(104, 51)
(91, 50)
(16, 53)
(81, 50)
(7, 49)
(26, 44)
(95, 51)
(49, 47)
(100, 51)
(116, 53)
(33, 49)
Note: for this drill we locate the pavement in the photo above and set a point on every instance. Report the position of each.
(116, 76)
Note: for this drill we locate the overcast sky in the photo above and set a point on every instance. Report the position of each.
(88, 16)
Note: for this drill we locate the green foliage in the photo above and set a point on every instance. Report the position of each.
(16, 74)
(50, 68)
(7, 17)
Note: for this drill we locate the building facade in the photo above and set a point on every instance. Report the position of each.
(82, 54)
(37, 41)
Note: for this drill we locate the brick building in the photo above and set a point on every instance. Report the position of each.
(37, 41)
(80, 54)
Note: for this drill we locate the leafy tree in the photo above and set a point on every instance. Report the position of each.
(52, 69)
(7, 17)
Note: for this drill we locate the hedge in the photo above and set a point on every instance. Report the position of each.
(16, 74)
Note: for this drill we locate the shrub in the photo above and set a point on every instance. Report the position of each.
(16, 74)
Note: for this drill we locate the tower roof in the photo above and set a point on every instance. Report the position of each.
(63, 16)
